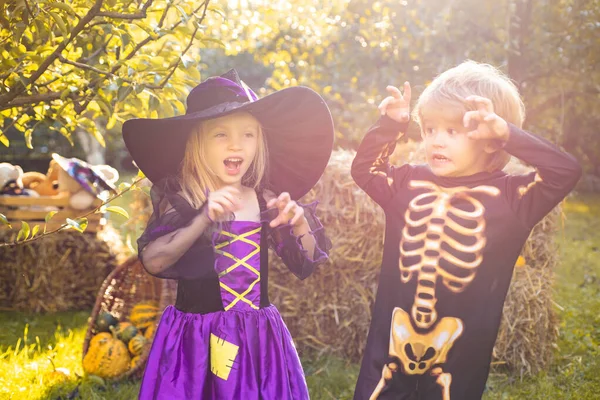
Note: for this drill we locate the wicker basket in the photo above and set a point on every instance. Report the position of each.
(126, 286)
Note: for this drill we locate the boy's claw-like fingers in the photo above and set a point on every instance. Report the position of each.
(394, 91)
(471, 116)
(407, 92)
(482, 103)
(384, 104)
(475, 135)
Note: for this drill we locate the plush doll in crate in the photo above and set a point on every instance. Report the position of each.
(44, 185)
(84, 182)
(11, 181)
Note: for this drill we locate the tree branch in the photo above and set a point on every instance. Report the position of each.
(193, 36)
(6, 101)
(117, 15)
(36, 98)
(551, 102)
(83, 66)
(63, 226)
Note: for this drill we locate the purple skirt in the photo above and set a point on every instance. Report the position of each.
(232, 354)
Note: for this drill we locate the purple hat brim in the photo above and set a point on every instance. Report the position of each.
(296, 122)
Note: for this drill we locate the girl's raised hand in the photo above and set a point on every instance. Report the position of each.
(223, 203)
(397, 105)
(488, 124)
(289, 211)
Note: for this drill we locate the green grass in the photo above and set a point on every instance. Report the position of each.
(574, 373)
(28, 342)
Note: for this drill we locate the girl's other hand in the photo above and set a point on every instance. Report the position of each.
(289, 211)
(223, 203)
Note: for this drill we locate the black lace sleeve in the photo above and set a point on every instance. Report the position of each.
(289, 246)
(170, 213)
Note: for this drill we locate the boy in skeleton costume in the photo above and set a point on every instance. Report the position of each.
(454, 230)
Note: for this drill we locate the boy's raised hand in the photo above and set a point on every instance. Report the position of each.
(397, 105)
(489, 124)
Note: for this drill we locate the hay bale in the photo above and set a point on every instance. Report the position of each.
(57, 273)
(527, 337)
(331, 311)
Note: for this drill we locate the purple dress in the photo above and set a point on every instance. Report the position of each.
(223, 339)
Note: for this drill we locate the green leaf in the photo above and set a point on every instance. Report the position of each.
(50, 215)
(154, 103)
(24, 231)
(4, 221)
(28, 133)
(213, 40)
(123, 186)
(217, 9)
(63, 6)
(124, 92)
(79, 224)
(140, 174)
(104, 106)
(98, 136)
(35, 230)
(118, 210)
(61, 24)
(4, 140)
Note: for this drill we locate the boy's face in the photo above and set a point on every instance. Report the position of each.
(231, 143)
(450, 152)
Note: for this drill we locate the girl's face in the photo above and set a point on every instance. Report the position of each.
(450, 152)
(230, 146)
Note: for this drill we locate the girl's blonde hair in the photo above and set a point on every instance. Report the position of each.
(450, 88)
(196, 178)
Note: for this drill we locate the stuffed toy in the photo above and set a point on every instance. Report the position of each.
(44, 185)
(84, 182)
(11, 181)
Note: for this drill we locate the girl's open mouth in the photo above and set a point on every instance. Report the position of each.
(233, 165)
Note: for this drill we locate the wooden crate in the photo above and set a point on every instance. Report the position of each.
(33, 210)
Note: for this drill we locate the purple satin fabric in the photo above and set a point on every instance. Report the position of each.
(242, 353)
(237, 262)
(266, 367)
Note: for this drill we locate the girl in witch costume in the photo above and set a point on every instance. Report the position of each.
(226, 177)
(454, 230)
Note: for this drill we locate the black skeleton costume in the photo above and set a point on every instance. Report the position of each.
(450, 248)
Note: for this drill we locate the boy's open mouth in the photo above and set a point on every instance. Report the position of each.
(233, 164)
(440, 158)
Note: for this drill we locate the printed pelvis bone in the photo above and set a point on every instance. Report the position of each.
(434, 246)
(417, 353)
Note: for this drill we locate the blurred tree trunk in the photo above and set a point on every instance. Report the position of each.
(519, 23)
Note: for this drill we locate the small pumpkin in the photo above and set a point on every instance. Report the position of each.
(150, 332)
(134, 362)
(144, 314)
(56, 376)
(137, 344)
(104, 321)
(125, 331)
(97, 338)
(107, 357)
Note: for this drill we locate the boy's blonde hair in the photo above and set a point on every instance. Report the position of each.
(196, 178)
(450, 88)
